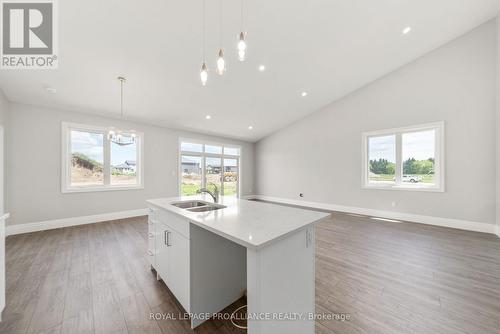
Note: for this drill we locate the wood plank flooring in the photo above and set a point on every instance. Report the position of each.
(387, 277)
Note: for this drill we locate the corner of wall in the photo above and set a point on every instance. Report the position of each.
(497, 126)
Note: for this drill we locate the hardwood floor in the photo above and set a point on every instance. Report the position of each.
(91, 279)
(387, 277)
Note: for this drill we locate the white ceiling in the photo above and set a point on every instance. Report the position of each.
(328, 48)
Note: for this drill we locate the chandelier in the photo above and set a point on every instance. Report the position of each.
(117, 136)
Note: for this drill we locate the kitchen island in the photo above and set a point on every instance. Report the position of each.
(210, 255)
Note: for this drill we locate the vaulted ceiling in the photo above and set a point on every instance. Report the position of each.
(327, 48)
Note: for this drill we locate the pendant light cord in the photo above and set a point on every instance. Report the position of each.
(241, 17)
(204, 29)
(220, 27)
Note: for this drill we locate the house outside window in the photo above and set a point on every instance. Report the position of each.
(93, 162)
(208, 165)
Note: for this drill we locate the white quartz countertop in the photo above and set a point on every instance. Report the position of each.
(249, 223)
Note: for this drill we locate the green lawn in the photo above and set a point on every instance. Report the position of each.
(188, 189)
(426, 178)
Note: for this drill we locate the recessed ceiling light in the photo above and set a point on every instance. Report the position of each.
(262, 68)
(208, 117)
(406, 30)
(51, 90)
(250, 127)
(303, 94)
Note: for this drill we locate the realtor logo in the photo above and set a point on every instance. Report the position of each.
(28, 34)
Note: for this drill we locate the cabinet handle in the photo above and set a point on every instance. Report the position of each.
(151, 235)
(167, 238)
(150, 253)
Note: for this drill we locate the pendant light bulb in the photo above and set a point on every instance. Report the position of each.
(204, 74)
(242, 47)
(221, 63)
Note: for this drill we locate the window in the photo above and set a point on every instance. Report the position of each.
(407, 158)
(92, 162)
(208, 164)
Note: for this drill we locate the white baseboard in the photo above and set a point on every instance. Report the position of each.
(73, 221)
(249, 197)
(429, 220)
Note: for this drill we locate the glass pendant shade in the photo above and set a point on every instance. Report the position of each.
(204, 74)
(242, 47)
(221, 63)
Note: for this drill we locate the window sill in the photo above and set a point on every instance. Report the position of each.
(99, 189)
(402, 188)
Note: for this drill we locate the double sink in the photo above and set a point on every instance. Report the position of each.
(198, 206)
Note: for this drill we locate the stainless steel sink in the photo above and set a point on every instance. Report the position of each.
(189, 204)
(207, 208)
(198, 206)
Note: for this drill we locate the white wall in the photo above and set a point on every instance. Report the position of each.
(320, 155)
(498, 126)
(34, 173)
(4, 113)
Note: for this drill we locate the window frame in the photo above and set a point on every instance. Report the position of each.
(439, 163)
(66, 186)
(203, 155)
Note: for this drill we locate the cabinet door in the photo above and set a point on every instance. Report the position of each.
(161, 252)
(178, 267)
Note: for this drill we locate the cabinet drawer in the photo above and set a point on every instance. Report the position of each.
(175, 222)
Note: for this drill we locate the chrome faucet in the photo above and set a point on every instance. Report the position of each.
(214, 194)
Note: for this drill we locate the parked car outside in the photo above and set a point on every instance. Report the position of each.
(412, 178)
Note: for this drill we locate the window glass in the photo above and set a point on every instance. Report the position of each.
(231, 150)
(213, 149)
(191, 147)
(418, 154)
(87, 158)
(382, 159)
(230, 177)
(123, 164)
(213, 173)
(209, 166)
(191, 175)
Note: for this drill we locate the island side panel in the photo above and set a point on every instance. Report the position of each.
(280, 281)
(218, 272)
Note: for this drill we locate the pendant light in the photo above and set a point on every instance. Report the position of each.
(122, 138)
(221, 63)
(204, 69)
(242, 44)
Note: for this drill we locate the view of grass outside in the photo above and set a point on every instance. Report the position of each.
(382, 158)
(87, 161)
(213, 173)
(85, 171)
(211, 166)
(418, 154)
(87, 158)
(191, 175)
(230, 177)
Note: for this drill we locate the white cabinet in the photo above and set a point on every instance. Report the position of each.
(172, 260)
(204, 271)
(152, 213)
